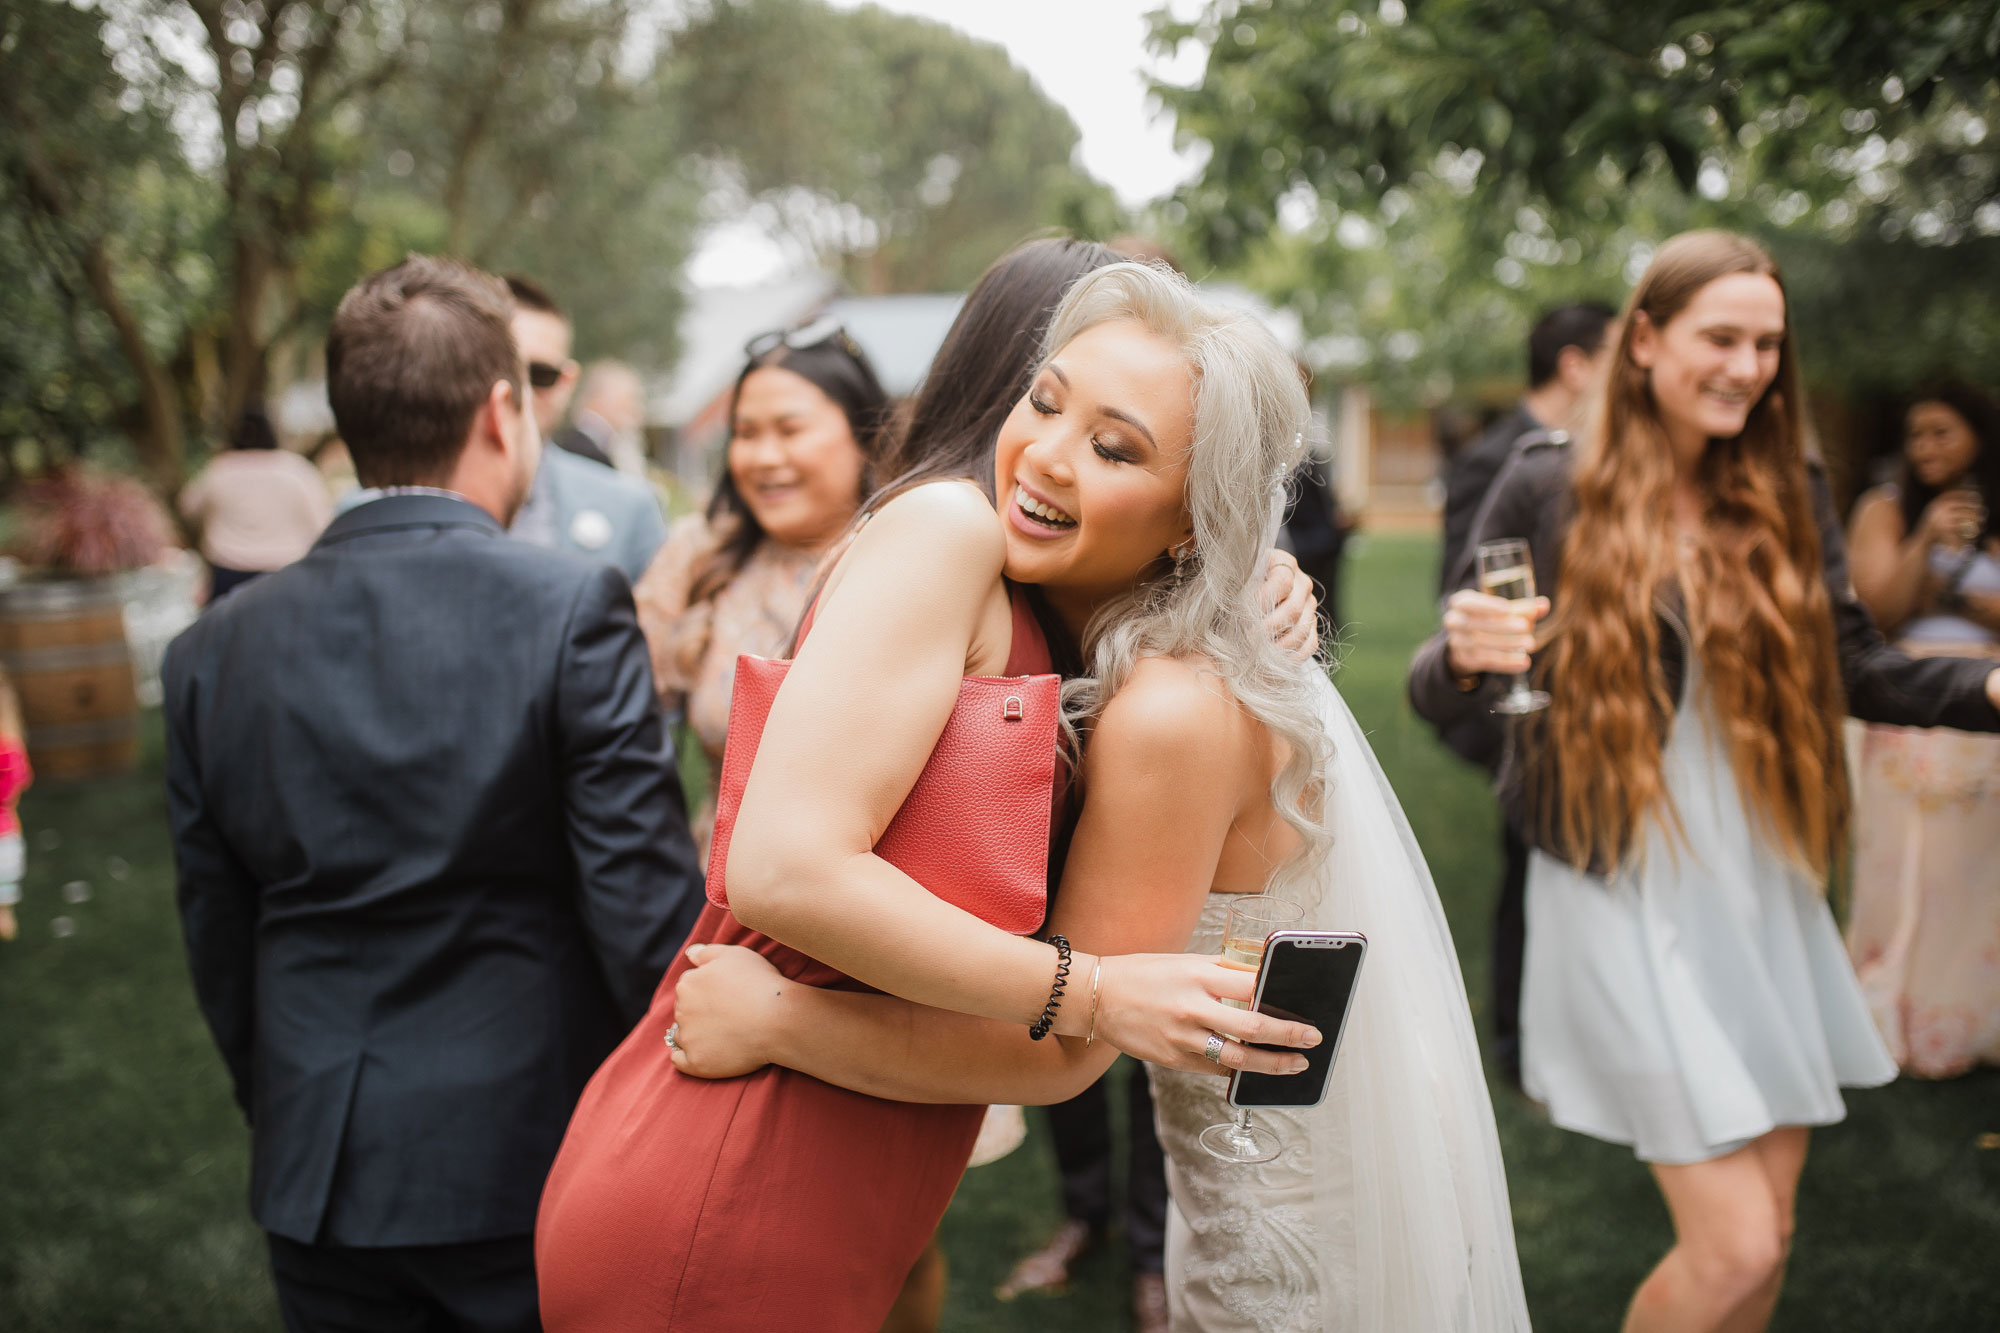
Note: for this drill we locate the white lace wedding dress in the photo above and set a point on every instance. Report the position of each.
(1387, 1211)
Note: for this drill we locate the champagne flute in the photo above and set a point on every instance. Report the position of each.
(1974, 522)
(1507, 570)
(1252, 918)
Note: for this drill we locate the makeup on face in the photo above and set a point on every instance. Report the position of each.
(1091, 465)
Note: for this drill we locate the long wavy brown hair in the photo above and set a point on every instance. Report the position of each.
(1753, 603)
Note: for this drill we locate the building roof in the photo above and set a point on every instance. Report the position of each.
(714, 327)
(900, 334)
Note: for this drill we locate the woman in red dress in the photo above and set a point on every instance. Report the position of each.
(775, 1201)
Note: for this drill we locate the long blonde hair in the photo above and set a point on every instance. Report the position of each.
(1761, 622)
(1250, 415)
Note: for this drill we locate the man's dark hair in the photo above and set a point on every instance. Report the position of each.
(1580, 325)
(412, 353)
(531, 295)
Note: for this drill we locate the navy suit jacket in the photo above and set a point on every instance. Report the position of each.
(433, 860)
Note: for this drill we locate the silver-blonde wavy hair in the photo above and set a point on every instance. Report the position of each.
(1250, 417)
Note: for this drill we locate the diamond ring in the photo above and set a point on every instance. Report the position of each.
(673, 1037)
(1213, 1048)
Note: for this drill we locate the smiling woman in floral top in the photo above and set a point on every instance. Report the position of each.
(806, 418)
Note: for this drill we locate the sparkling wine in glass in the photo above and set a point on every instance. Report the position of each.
(1507, 571)
(1974, 522)
(1252, 918)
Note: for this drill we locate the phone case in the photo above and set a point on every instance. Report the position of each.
(1330, 1041)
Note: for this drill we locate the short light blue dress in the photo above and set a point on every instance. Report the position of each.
(1701, 995)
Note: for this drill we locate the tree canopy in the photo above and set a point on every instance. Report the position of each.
(1417, 175)
(189, 185)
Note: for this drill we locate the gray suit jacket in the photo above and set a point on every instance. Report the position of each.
(433, 860)
(577, 505)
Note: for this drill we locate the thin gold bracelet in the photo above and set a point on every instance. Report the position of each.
(1096, 971)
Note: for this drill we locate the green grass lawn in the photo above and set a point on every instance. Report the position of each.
(123, 1162)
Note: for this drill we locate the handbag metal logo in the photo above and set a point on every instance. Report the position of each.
(1010, 711)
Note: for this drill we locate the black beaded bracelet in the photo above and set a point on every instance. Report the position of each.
(1048, 1018)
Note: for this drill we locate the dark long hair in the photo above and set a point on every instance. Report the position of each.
(984, 365)
(986, 362)
(1978, 412)
(839, 369)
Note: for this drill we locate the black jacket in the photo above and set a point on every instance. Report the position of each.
(1533, 499)
(1473, 473)
(433, 859)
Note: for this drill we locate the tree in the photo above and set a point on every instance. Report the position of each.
(194, 184)
(893, 148)
(1479, 158)
(190, 185)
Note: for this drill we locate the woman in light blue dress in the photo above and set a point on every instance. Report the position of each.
(1685, 989)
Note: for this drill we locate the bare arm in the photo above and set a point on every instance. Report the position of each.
(1890, 567)
(849, 732)
(1167, 769)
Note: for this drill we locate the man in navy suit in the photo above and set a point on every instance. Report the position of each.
(433, 856)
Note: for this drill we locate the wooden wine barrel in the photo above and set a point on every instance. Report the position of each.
(62, 642)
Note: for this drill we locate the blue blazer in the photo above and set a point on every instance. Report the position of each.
(433, 860)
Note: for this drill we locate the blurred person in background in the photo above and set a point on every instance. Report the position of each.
(1686, 991)
(15, 777)
(1565, 359)
(577, 504)
(431, 849)
(1924, 922)
(609, 422)
(257, 507)
(335, 467)
(806, 420)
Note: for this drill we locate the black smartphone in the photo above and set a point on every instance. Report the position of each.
(1307, 976)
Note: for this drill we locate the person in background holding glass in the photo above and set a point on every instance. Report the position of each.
(258, 507)
(1685, 988)
(806, 424)
(1924, 923)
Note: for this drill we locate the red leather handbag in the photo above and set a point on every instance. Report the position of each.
(974, 830)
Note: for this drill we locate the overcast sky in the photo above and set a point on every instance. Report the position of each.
(1088, 55)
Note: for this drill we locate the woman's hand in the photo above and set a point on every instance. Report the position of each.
(1947, 519)
(729, 1009)
(1161, 1008)
(1485, 633)
(1993, 689)
(1291, 612)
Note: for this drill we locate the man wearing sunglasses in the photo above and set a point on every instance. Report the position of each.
(579, 503)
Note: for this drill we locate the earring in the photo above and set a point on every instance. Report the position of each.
(1180, 555)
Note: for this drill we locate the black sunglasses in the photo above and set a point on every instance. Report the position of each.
(543, 375)
(803, 338)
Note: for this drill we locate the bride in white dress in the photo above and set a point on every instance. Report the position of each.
(1150, 447)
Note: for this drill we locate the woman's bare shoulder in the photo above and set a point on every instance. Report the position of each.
(1170, 710)
(953, 512)
(1880, 509)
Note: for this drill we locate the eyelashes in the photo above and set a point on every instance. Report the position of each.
(1108, 453)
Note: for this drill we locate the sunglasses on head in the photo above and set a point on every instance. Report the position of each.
(804, 337)
(543, 375)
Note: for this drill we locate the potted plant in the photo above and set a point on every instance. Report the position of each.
(62, 624)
